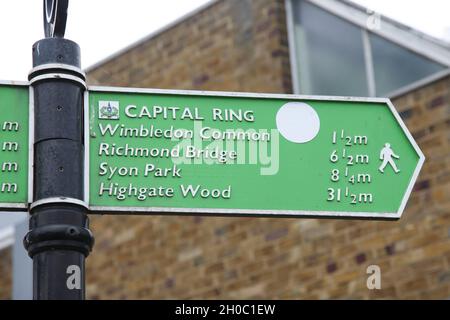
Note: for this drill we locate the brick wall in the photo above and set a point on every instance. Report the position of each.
(208, 52)
(241, 45)
(5, 274)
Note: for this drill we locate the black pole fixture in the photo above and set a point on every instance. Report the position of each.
(59, 239)
(55, 17)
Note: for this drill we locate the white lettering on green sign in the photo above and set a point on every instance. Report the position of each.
(166, 151)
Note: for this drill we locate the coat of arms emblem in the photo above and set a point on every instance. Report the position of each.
(108, 110)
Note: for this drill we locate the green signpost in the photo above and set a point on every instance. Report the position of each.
(175, 152)
(182, 152)
(187, 152)
(14, 146)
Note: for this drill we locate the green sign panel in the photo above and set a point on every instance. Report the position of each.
(156, 151)
(14, 167)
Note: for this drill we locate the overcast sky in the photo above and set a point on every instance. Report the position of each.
(102, 27)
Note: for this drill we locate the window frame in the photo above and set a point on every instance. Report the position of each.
(412, 43)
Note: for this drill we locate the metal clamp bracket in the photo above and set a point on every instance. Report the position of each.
(56, 200)
(56, 68)
(58, 76)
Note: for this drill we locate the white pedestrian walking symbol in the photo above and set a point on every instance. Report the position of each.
(386, 155)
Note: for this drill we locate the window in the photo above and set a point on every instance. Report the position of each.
(330, 52)
(396, 67)
(337, 57)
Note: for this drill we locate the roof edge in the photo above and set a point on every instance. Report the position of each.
(150, 36)
(394, 31)
(396, 24)
(401, 25)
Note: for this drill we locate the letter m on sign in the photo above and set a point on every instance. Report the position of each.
(10, 126)
(10, 146)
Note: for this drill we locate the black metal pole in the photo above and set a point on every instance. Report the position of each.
(59, 239)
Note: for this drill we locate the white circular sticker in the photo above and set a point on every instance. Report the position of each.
(298, 122)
